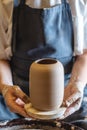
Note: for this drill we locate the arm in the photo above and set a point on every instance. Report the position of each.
(79, 71)
(13, 96)
(73, 94)
(78, 75)
(5, 74)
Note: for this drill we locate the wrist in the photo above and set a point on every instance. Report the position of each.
(78, 84)
(4, 88)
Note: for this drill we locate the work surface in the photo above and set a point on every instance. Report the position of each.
(28, 124)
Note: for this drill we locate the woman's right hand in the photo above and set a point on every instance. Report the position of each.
(15, 99)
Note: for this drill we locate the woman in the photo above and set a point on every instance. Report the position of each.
(38, 39)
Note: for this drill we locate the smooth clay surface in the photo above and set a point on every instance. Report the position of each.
(46, 84)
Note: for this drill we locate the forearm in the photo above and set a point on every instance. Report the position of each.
(79, 71)
(5, 74)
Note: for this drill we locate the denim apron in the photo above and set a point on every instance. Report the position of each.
(39, 33)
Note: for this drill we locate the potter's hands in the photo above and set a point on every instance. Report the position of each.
(72, 98)
(15, 99)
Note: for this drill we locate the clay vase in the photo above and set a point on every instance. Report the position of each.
(46, 84)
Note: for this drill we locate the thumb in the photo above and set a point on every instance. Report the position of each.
(20, 94)
(72, 108)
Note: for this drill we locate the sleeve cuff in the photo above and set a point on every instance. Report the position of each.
(78, 35)
(6, 54)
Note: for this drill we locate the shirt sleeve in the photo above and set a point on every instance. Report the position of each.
(6, 9)
(78, 9)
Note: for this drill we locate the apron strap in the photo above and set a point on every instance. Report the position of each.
(64, 1)
(22, 2)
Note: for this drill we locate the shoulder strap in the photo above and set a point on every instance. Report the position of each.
(14, 27)
(22, 2)
(64, 1)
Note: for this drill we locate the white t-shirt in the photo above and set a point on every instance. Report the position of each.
(79, 13)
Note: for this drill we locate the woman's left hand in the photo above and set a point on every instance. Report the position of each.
(73, 96)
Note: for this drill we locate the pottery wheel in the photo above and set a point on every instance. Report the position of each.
(43, 114)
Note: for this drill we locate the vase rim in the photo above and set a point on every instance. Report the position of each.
(46, 61)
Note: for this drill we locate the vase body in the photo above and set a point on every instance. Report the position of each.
(46, 84)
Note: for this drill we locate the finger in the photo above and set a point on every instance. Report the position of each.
(19, 93)
(73, 98)
(74, 107)
(71, 109)
(18, 109)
